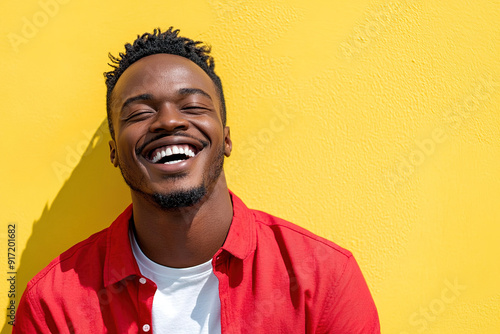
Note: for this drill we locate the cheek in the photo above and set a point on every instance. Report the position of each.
(210, 128)
(125, 145)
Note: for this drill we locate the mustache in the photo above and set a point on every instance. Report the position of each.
(139, 150)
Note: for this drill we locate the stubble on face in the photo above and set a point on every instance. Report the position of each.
(182, 198)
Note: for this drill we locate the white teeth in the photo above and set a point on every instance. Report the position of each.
(174, 149)
(172, 162)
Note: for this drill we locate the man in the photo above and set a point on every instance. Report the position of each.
(188, 256)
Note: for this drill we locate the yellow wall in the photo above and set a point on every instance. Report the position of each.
(373, 123)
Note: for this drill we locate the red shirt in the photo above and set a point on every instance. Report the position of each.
(274, 277)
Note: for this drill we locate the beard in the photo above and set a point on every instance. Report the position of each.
(182, 198)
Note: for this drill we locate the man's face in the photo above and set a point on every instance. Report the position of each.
(169, 138)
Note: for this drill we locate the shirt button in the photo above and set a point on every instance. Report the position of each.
(146, 328)
(142, 280)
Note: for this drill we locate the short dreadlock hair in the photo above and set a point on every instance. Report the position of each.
(168, 42)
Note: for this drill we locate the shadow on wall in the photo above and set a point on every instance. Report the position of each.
(89, 201)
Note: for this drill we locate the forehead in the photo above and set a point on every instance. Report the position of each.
(161, 75)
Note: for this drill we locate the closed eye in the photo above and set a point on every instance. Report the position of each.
(196, 109)
(139, 115)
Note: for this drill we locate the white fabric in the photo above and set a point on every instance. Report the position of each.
(187, 299)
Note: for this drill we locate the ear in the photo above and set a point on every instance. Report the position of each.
(228, 144)
(112, 152)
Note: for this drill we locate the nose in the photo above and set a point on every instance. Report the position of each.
(169, 119)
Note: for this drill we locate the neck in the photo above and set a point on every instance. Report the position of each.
(183, 237)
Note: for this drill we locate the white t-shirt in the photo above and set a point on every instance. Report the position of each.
(187, 299)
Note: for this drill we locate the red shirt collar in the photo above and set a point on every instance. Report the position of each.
(241, 240)
(120, 262)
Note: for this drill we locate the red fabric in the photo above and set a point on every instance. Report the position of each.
(274, 277)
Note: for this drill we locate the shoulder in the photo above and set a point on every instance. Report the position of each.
(84, 263)
(67, 283)
(88, 254)
(300, 237)
(266, 231)
(323, 270)
(311, 256)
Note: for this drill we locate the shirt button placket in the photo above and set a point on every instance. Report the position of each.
(146, 293)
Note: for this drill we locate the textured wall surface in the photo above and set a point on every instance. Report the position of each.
(375, 124)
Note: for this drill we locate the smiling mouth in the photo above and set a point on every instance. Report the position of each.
(172, 154)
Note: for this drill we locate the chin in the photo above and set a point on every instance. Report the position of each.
(180, 199)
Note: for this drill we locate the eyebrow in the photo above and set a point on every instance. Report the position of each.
(191, 91)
